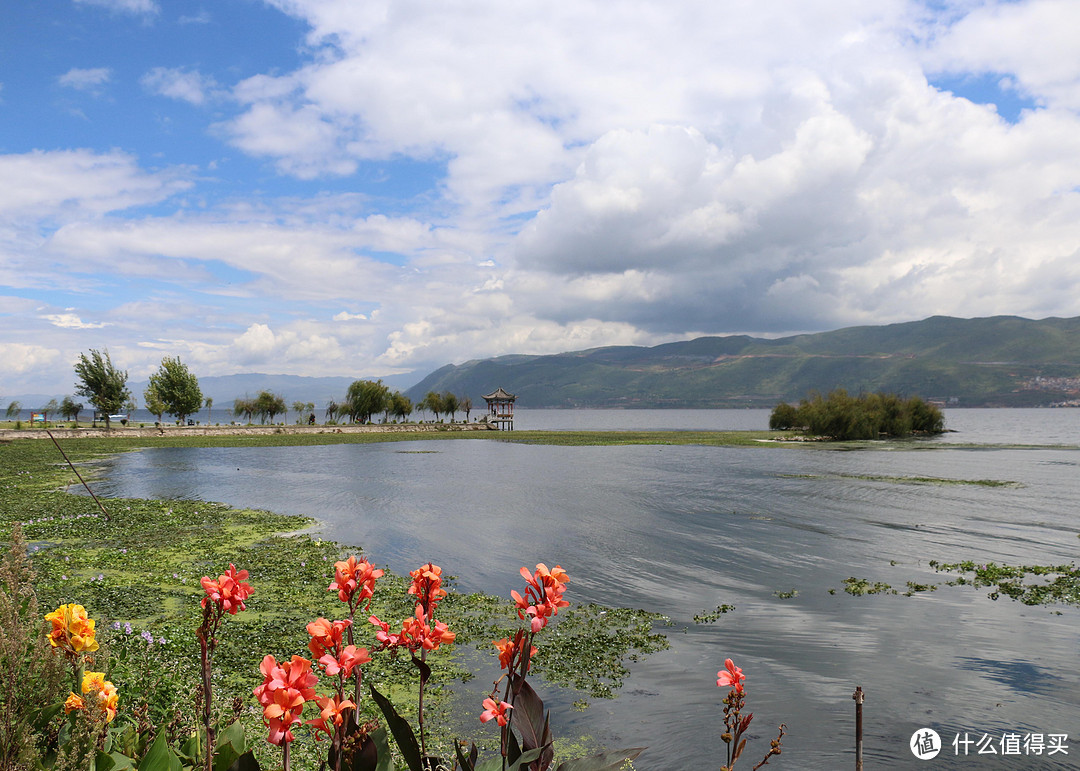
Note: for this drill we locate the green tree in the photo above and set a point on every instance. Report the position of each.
(466, 405)
(267, 405)
(101, 382)
(52, 407)
(13, 410)
(298, 408)
(243, 407)
(401, 406)
(154, 403)
(333, 410)
(450, 404)
(209, 402)
(366, 398)
(70, 409)
(177, 388)
(433, 402)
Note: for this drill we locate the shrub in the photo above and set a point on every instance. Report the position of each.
(868, 416)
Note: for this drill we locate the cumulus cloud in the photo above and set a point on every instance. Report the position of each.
(185, 85)
(602, 175)
(86, 79)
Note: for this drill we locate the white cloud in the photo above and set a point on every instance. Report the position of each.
(20, 358)
(185, 85)
(79, 183)
(125, 6)
(346, 316)
(71, 321)
(86, 79)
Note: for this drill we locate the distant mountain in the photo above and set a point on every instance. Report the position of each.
(998, 361)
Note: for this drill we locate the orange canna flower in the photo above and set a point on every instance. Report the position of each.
(508, 650)
(72, 629)
(326, 636)
(72, 703)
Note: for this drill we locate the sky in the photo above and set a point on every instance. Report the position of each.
(376, 188)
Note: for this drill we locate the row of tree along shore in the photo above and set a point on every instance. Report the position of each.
(174, 390)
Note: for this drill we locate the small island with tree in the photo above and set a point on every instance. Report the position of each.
(842, 417)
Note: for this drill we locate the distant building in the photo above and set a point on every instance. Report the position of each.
(501, 409)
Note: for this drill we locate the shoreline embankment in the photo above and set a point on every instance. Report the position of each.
(12, 434)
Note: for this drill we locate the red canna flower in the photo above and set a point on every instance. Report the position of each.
(730, 676)
(229, 591)
(495, 711)
(354, 579)
(284, 690)
(349, 658)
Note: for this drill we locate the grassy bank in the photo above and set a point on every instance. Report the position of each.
(136, 568)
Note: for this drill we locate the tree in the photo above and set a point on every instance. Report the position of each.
(333, 409)
(401, 406)
(466, 404)
(13, 410)
(177, 388)
(450, 404)
(209, 402)
(366, 398)
(244, 407)
(101, 382)
(70, 409)
(432, 401)
(298, 408)
(52, 406)
(269, 404)
(154, 404)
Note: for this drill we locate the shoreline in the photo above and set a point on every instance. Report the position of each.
(12, 434)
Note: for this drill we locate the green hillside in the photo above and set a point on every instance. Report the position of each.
(999, 361)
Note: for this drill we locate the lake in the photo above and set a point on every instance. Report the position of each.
(681, 530)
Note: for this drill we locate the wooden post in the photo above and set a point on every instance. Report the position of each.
(858, 697)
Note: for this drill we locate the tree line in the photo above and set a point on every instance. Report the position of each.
(174, 390)
(867, 416)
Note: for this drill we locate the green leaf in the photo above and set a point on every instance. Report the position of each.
(161, 757)
(231, 745)
(606, 761)
(246, 762)
(400, 728)
(114, 761)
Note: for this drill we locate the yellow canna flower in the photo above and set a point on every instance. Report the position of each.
(107, 696)
(72, 629)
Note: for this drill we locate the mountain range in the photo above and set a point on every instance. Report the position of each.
(997, 361)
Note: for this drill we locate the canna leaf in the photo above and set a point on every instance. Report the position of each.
(402, 731)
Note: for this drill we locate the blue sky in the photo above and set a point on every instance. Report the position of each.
(326, 187)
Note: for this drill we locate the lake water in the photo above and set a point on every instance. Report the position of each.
(681, 530)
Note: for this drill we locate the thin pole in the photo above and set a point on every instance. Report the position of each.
(61, 449)
(858, 697)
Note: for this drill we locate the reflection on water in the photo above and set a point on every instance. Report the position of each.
(681, 530)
